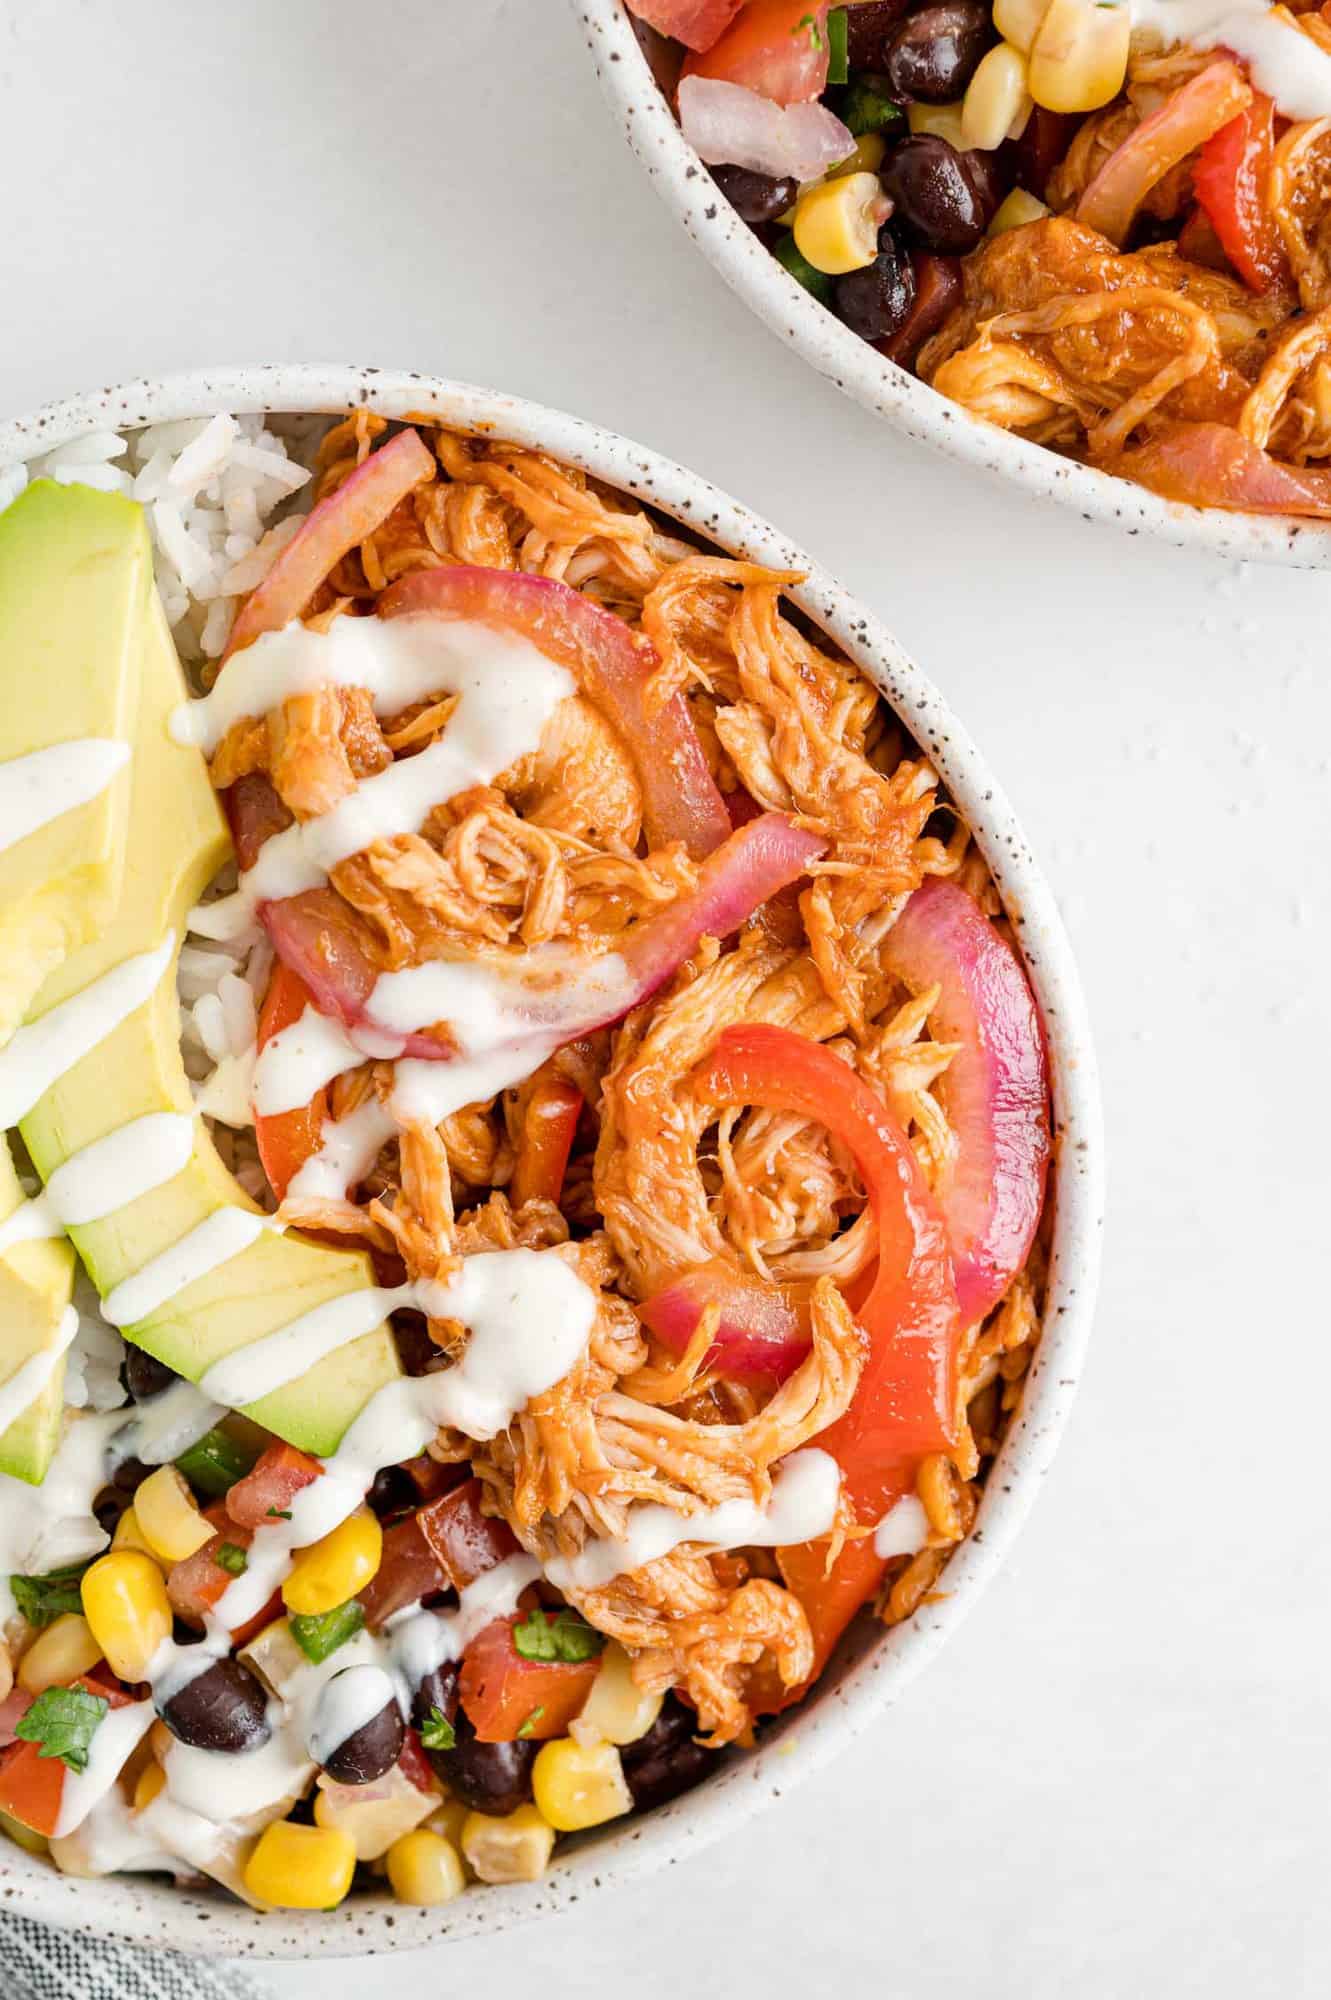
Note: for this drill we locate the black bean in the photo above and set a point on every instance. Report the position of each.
(990, 174)
(128, 1474)
(937, 202)
(869, 31)
(666, 1761)
(439, 1690)
(370, 1750)
(145, 1375)
(875, 302)
(223, 1708)
(934, 54)
(393, 1491)
(491, 1778)
(756, 197)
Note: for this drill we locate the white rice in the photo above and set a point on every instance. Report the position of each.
(211, 488)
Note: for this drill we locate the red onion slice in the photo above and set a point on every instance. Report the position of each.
(995, 1091)
(612, 665)
(337, 525)
(761, 1332)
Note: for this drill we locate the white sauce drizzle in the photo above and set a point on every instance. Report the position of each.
(803, 1506)
(42, 786)
(353, 1697)
(278, 1358)
(214, 1241)
(31, 1222)
(167, 1425)
(419, 1641)
(1282, 61)
(44, 1527)
(350, 1146)
(25, 1385)
(301, 1059)
(38, 1054)
(903, 1530)
(507, 691)
(131, 1161)
(119, 1732)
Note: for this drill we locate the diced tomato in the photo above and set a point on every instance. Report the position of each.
(30, 1784)
(1230, 180)
(1198, 242)
(696, 23)
(266, 1493)
(286, 1139)
(414, 1765)
(12, 1710)
(408, 1570)
(196, 1584)
(775, 47)
(466, 1541)
(553, 1110)
(503, 1694)
(444, 1545)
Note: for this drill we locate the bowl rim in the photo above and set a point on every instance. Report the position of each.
(876, 1664)
(879, 385)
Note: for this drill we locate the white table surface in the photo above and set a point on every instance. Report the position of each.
(1116, 1781)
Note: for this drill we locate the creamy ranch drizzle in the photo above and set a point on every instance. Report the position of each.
(44, 1527)
(25, 1385)
(300, 1060)
(803, 1506)
(119, 1732)
(507, 691)
(903, 1530)
(45, 784)
(40, 1053)
(1282, 61)
(214, 1241)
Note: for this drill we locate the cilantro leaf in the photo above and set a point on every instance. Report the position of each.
(437, 1732)
(43, 1599)
(531, 1721)
(809, 22)
(565, 1637)
(232, 1559)
(279, 1513)
(63, 1721)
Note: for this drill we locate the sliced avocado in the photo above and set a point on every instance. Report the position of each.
(73, 569)
(177, 840)
(36, 1282)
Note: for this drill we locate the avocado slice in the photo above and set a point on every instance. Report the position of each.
(69, 640)
(177, 840)
(36, 1283)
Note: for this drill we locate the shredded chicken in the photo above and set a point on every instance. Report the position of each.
(659, 1180)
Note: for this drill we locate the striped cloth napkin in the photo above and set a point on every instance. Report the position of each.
(38, 1963)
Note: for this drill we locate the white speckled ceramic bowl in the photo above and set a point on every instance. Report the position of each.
(620, 51)
(876, 1664)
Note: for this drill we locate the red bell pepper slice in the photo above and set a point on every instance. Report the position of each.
(286, 1139)
(505, 1696)
(31, 1785)
(777, 48)
(1230, 181)
(905, 1405)
(551, 1120)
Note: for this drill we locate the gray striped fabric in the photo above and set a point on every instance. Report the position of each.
(37, 1963)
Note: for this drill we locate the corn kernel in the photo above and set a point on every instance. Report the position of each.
(1080, 56)
(6, 1670)
(330, 1571)
(516, 1848)
(448, 1819)
(576, 1786)
(59, 1655)
(148, 1785)
(837, 224)
(868, 156)
(1018, 21)
(168, 1519)
(995, 98)
(129, 1535)
(425, 1870)
(941, 121)
(617, 1710)
(125, 1603)
(301, 1867)
(1018, 208)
